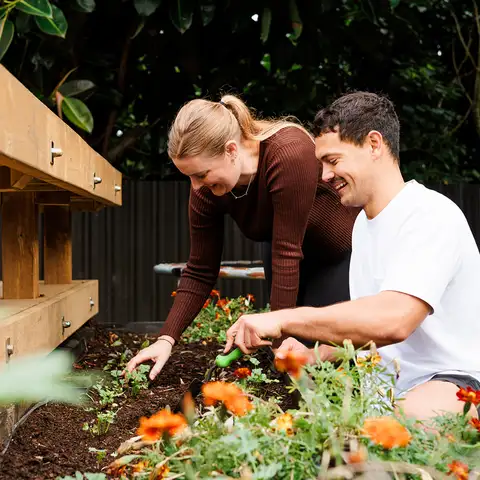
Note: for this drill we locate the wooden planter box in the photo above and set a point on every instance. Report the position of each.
(44, 166)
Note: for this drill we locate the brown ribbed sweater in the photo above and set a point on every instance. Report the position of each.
(287, 204)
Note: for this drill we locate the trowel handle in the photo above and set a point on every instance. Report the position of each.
(225, 360)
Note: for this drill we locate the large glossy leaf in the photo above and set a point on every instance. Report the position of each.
(57, 25)
(207, 11)
(394, 3)
(86, 6)
(78, 113)
(146, 7)
(7, 29)
(40, 8)
(181, 14)
(266, 21)
(76, 87)
(297, 24)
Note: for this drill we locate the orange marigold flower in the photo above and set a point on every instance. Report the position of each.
(387, 432)
(215, 293)
(222, 303)
(207, 303)
(475, 423)
(459, 469)
(284, 423)
(242, 372)
(239, 406)
(217, 315)
(231, 395)
(153, 428)
(291, 362)
(469, 395)
(174, 294)
(250, 298)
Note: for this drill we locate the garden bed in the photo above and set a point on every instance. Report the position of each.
(53, 441)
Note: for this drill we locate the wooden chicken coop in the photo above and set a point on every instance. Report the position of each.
(45, 166)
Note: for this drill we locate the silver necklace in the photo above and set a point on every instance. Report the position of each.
(246, 191)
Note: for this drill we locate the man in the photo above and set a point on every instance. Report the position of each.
(414, 272)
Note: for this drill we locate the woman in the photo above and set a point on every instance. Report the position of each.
(265, 175)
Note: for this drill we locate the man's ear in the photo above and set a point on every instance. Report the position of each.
(375, 140)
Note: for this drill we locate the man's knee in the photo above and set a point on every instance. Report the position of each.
(432, 399)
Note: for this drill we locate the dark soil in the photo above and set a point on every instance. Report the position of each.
(51, 441)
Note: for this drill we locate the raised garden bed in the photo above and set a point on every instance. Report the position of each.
(53, 440)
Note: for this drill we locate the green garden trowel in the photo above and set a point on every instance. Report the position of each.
(223, 361)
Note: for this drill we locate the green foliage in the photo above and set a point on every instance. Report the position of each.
(42, 377)
(216, 317)
(290, 59)
(84, 476)
(317, 439)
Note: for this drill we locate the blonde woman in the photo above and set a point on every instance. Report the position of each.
(264, 174)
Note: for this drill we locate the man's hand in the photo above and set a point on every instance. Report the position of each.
(323, 353)
(250, 331)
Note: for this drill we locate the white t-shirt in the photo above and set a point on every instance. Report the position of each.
(422, 245)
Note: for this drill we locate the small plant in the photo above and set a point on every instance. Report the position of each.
(345, 425)
(84, 476)
(216, 317)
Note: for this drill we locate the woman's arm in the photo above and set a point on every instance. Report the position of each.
(201, 272)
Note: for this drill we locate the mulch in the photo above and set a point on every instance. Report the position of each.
(51, 442)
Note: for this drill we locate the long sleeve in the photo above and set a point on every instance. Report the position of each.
(292, 177)
(201, 272)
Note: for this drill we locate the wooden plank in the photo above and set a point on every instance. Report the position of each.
(20, 245)
(57, 245)
(28, 129)
(53, 198)
(35, 326)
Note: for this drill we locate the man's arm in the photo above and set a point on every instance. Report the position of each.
(386, 318)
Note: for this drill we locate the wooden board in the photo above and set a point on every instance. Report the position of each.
(29, 129)
(36, 325)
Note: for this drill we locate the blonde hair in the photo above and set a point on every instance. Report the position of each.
(204, 127)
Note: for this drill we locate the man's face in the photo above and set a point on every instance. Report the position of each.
(346, 167)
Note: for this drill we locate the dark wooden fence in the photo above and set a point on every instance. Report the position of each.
(120, 246)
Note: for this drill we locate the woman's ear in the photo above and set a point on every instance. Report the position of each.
(231, 149)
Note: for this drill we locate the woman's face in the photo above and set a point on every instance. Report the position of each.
(220, 174)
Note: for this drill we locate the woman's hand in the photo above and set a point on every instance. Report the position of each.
(159, 352)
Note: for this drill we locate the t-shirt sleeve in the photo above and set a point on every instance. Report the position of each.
(201, 271)
(292, 177)
(426, 258)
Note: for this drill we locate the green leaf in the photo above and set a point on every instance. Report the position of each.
(181, 14)
(146, 7)
(266, 21)
(297, 24)
(78, 113)
(40, 8)
(207, 11)
(39, 377)
(7, 29)
(76, 87)
(87, 6)
(57, 25)
(394, 3)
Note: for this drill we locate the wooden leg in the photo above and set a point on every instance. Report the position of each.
(57, 245)
(20, 246)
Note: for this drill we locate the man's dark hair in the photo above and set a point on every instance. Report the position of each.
(354, 115)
